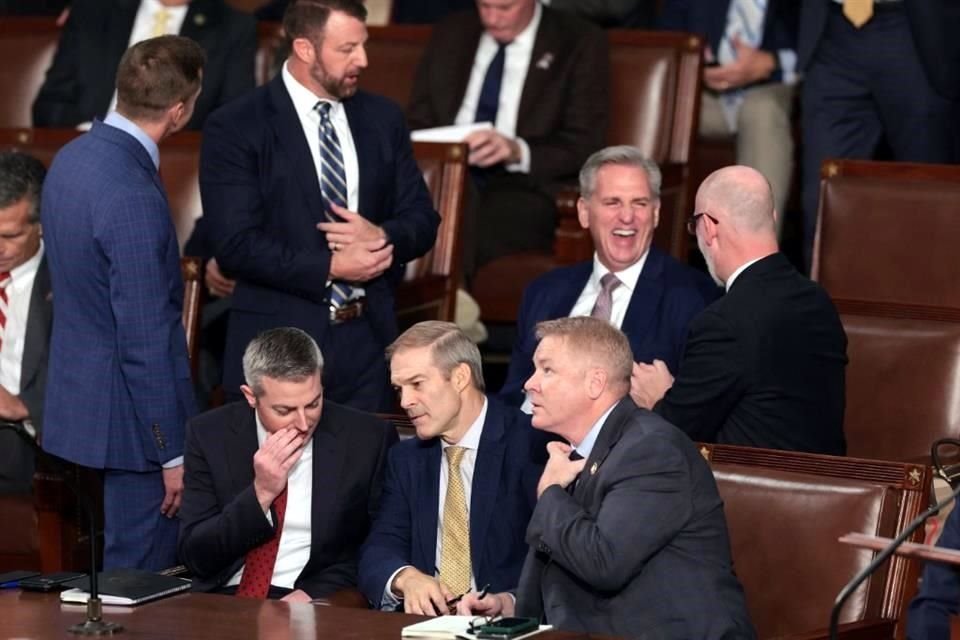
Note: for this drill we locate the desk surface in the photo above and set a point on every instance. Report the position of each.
(40, 616)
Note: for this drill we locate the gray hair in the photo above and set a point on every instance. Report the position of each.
(284, 353)
(21, 176)
(598, 342)
(450, 347)
(624, 155)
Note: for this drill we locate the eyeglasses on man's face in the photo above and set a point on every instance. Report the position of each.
(692, 221)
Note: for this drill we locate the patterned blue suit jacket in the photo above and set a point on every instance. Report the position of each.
(667, 297)
(119, 390)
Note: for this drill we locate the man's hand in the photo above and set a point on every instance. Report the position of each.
(492, 605)
(649, 383)
(173, 485)
(217, 284)
(488, 148)
(361, 261)
(272, 463)
(11, 407)
(560, 468)
(354, 228)
(297, 596)
(752, 65)
(422, 594)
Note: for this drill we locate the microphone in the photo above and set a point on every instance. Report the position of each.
(888, 551)
(94, 625)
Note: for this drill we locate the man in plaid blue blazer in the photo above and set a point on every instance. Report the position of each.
(119, 391)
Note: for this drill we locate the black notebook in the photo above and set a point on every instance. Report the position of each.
(125, 587)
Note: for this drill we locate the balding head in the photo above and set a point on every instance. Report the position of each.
(739, 221)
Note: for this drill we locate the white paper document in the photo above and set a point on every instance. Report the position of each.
(452, 627)
(453, 133)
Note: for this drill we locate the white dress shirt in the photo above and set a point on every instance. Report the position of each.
(516, 64)
(294, 551)
(19, 291)
(471, 442)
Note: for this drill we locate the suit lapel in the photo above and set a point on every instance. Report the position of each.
(645, 299)
(286, 126)
(328, 460)
(200, 22)
(564, 299)
(365, 143)
(486, 481)
(241, 448)
(609, 436)
(39, 320)
(457, 73)
(537, 78)
(427, 489)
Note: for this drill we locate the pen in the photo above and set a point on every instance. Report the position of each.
(452, 603)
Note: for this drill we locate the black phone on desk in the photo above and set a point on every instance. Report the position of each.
(506, 628)
(50, 581)
(11, 579)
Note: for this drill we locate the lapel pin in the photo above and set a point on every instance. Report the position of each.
(593, 468)
(199, 19)
(545, 61)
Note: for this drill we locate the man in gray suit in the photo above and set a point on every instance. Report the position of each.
(25, 318)
(628, 536)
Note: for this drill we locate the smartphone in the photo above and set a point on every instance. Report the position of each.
(11, 579)
(50, 581)
(506, 628)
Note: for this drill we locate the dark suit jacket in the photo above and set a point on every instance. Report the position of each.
(118, 387)
(709, 19)
(640, 549)
(81, 81)
(564, 104)
(220, 518)
(667, 297)
(510, 460)
(261, 198)
(764, 366)
(938, 600)
(934, 25)
(17, 457)
(636, 14)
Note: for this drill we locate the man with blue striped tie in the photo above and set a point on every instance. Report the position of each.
(314, 203)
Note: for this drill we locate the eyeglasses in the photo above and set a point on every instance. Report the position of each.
(692, 221)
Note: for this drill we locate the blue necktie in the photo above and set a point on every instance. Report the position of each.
(490, 90)
(333, 186)
(744, 21)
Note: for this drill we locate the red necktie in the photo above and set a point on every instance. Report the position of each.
(4, 283)
(259, 562)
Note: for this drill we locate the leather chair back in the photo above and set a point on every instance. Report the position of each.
(27, 46)
(785, 512)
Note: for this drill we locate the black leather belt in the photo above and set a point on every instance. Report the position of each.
(349, 311)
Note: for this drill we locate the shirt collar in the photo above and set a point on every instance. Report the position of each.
(29, 267)
(304, 100)
(114, 119)
(628, 277)
(585, 448)
(740, 269)
(471, 439)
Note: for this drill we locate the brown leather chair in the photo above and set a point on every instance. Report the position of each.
(27, 46)
(654, 105)
(884, 251)
(785, 512)
(429, 288)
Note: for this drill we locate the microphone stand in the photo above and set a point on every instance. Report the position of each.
(94, 625)
(880, 558)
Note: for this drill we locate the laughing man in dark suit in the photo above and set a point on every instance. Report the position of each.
(764, 364)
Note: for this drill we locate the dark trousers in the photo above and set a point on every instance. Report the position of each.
(863, 86)
(355, 367)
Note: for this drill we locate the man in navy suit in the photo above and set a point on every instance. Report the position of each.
(628, 537)
(938, 600)
(314, 202)
(749, 91)
(119, 390)
(326, 460)
(890, 74)
(427, 545)
(655, 297)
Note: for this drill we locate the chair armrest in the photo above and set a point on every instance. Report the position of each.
(876, 629)
(349, 598)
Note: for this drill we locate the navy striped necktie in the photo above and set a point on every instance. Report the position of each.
(333, 186)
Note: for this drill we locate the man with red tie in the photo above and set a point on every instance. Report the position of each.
(279, 490)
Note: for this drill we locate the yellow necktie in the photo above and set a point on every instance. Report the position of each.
(858, 11)
(160, 20)
(455, 568)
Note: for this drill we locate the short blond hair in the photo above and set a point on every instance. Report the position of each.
(600, 343)
(449, 346)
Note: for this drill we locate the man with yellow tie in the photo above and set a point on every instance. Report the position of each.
(877, 71)
(457, 498)
(79, 86)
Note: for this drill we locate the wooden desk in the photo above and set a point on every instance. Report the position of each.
(41, 616)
